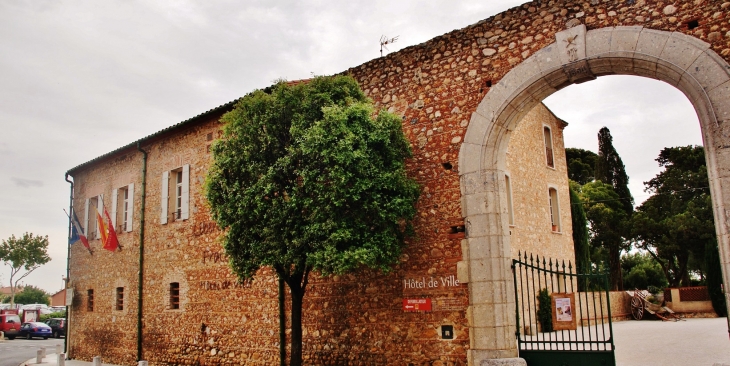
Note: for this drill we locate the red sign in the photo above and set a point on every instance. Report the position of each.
(416, 304)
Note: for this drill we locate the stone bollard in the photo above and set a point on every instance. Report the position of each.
(43, 352)
(58, 349)
(142, 363)
(2, 337)
(61, 359)
(96, 361)
(39, 356)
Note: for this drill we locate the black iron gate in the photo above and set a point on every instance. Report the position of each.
(563, 318)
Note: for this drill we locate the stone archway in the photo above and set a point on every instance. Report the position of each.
(576, 56)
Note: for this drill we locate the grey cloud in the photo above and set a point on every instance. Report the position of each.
(26, 183)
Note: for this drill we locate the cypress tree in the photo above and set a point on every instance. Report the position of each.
(580, 237)
(610, 170)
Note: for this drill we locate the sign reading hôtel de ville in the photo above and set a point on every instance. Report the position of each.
(426, 283)
(423, 291)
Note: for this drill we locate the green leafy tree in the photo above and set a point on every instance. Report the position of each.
(608, 223)
(581, 164)
(32, 295)
(581, 237)
(305, 179)
(24, 255)
(676, 223)
(714, 278)
(641, 271)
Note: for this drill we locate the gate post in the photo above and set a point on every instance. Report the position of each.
(486, 267)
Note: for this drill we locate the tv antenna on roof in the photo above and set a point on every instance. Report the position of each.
(384, 41)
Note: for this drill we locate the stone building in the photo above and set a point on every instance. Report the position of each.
(194, 309)
(463, 97)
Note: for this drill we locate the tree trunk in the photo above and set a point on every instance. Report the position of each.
(614, 263)
(297, 295)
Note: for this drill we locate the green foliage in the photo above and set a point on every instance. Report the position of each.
(610, 169)
(23, 255)
(714, 278)
(581, 238)
(544, 311)
(57, 314)
(31, 295)
(581, 165)
(305, 179)
(676, 223)
(609, 227)
(613, 236)
(641, 271)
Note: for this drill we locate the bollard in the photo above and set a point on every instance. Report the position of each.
(58, 349)
(142, 363)
(38, 356)
(61, 359)
(43, 351)
(2, 337)
(96, 361)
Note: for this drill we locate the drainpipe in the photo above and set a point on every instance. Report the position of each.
(141, 253)
(68, 259)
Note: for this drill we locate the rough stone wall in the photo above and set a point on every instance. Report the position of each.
(435, 87)
(531, 177)
(105, 331)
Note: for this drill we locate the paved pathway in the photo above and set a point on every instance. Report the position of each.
(652, 342)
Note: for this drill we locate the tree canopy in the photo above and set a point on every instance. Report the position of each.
(581, 164)
(24, 255)
(306, 179)
(31, 295)
(676, 222)
(608, 227)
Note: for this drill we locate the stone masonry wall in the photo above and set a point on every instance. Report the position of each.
(530, 177)
(357, 319)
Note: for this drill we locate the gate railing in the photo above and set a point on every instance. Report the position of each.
(591, 329)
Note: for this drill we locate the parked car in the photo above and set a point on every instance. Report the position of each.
(34, 329)
(58, 327)
(10, 324)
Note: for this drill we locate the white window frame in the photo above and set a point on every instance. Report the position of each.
(554, 209)
(547, 132)
(88, 224)
(181, 203)
(123, 196)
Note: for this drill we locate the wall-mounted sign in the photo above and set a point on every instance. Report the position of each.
(430, 283)
(416, 304)
(563, 306)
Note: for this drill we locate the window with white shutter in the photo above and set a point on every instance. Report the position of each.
(175, 202)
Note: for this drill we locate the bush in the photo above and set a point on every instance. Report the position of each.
(641, 271)
(544, 311)
(58, 314)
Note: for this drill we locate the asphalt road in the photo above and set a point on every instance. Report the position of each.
(12, 353)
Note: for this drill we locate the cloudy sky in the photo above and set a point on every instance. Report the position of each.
(81, 78)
